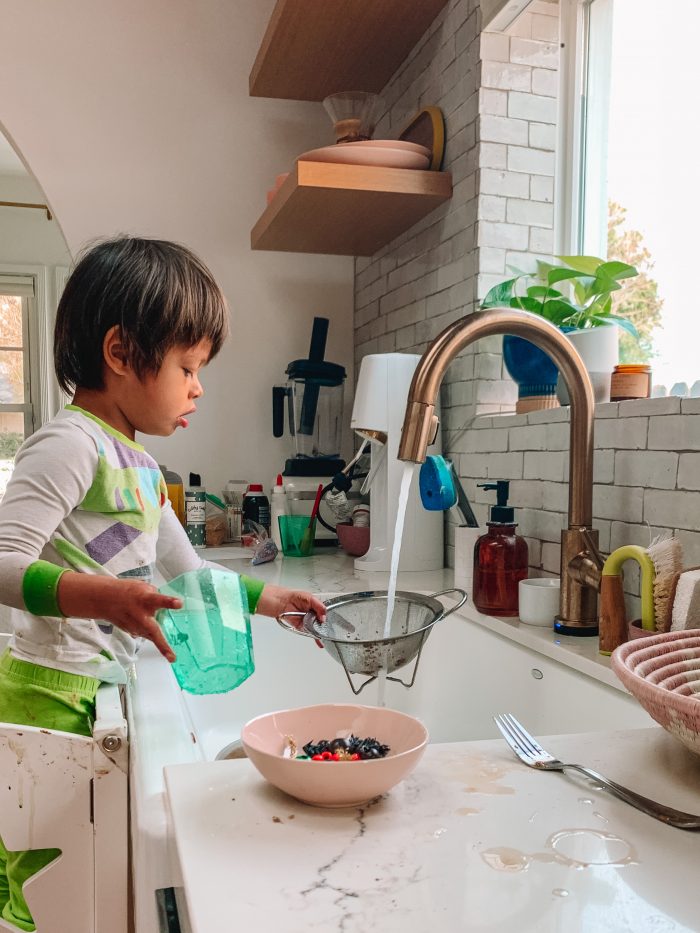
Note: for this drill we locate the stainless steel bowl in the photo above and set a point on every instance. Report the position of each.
(353, 632)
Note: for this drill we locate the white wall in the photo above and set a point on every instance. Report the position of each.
(136, 118)
(26, 236)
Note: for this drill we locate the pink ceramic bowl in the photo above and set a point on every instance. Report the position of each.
(337, 783)
(663, 673)
(354, 539)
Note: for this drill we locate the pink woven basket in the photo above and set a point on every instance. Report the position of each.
(662, 672)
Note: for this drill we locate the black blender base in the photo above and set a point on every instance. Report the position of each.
(581, 631)
(313, 466)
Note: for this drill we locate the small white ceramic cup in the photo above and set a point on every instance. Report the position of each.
(538, 600)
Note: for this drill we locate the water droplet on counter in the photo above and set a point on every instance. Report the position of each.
(560, 892)
(600, 816)
(505, 859)
(581, 848)
(532, 818)
(586, 800)
(439, 832)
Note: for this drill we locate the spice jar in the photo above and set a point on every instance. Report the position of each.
(630, 380)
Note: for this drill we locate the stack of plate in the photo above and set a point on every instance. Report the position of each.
(388, 153)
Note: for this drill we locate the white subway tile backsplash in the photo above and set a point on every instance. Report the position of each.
(536, 53)
(644, 468)
(536, 161)
(535, 213)
(495, 47)
(545, 83)
(503, 130)
(502, 236)
(506, 77)
(680, 432)
(672, 509)
(532, 107)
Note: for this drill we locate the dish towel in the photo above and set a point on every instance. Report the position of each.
(686, 605)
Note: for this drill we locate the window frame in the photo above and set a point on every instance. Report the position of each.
(37, 345)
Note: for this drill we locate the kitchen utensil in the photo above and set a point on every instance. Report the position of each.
(427, 128)
(210, 634)
(307, 541)
(533, 755)
(357, 154)
(353, 631)
(662, 672)
(334, 784)
(658, 563)
(354, 114)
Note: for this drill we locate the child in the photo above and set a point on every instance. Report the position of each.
(136, 323)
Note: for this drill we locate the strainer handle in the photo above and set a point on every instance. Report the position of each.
(281, 620)
(458, 605)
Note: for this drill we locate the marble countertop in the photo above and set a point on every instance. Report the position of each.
(472, 840)
(333, 572)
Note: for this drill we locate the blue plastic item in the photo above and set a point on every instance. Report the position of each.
(211, 633)
(437, 488)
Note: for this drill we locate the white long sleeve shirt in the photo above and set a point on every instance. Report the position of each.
(84, 497)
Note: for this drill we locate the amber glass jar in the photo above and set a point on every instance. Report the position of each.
(630, 380)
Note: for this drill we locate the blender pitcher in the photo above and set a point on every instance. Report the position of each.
(313, 397)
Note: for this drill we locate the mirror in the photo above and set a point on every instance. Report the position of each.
(34, 263)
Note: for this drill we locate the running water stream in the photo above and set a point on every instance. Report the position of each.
(408, 471)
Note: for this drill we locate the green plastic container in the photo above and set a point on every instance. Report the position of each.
(211, 633)
(292, 528)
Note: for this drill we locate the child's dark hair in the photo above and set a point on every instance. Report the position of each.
(158, 293)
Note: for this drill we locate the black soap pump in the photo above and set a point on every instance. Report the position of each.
(500, 558)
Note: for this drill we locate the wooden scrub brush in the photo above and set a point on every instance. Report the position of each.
(660, 566)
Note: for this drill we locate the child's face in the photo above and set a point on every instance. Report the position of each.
(163, 402)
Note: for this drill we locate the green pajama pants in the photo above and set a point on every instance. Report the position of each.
(31, 695)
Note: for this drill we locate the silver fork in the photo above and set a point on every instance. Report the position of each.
(532, 754)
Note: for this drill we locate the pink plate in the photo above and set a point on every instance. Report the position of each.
(390, 144)
(337, 783)
(357, 154)
(661, 672)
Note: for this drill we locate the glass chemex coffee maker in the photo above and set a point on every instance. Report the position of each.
(311, 403)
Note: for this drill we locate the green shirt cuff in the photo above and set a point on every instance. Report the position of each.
(40, 588)
(253, 589)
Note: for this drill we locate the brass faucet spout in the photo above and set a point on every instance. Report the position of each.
(578, 600)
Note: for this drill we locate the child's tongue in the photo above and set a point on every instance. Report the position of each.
(183, 422)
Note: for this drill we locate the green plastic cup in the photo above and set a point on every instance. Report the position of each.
(211, 633)
(292, 528)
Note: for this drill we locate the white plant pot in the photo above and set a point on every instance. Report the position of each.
(599, 349)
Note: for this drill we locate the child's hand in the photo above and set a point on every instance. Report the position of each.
(131, 605)
(274, 600)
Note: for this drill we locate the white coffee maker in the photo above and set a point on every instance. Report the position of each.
(378, 414)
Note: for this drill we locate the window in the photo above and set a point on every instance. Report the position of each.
(633, 74)
(16, 408)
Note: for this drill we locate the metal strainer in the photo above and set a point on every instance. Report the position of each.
(353, 632)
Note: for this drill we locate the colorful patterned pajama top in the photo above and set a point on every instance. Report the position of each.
(84, 497)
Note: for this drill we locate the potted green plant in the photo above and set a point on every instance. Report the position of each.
(577, 296)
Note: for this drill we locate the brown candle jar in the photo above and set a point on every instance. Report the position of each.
(630, 380)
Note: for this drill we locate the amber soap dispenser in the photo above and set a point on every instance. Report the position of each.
(500, 558)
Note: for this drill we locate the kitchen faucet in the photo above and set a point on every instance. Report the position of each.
(581, 561)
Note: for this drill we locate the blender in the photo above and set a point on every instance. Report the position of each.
(311, 404)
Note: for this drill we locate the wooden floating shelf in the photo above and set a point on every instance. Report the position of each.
(347, 210)
(313, 48)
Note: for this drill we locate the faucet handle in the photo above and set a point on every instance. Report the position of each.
(593, 549)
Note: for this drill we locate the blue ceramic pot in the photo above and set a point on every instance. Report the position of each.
(528, 366)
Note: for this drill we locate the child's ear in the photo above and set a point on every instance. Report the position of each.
(114, 352)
